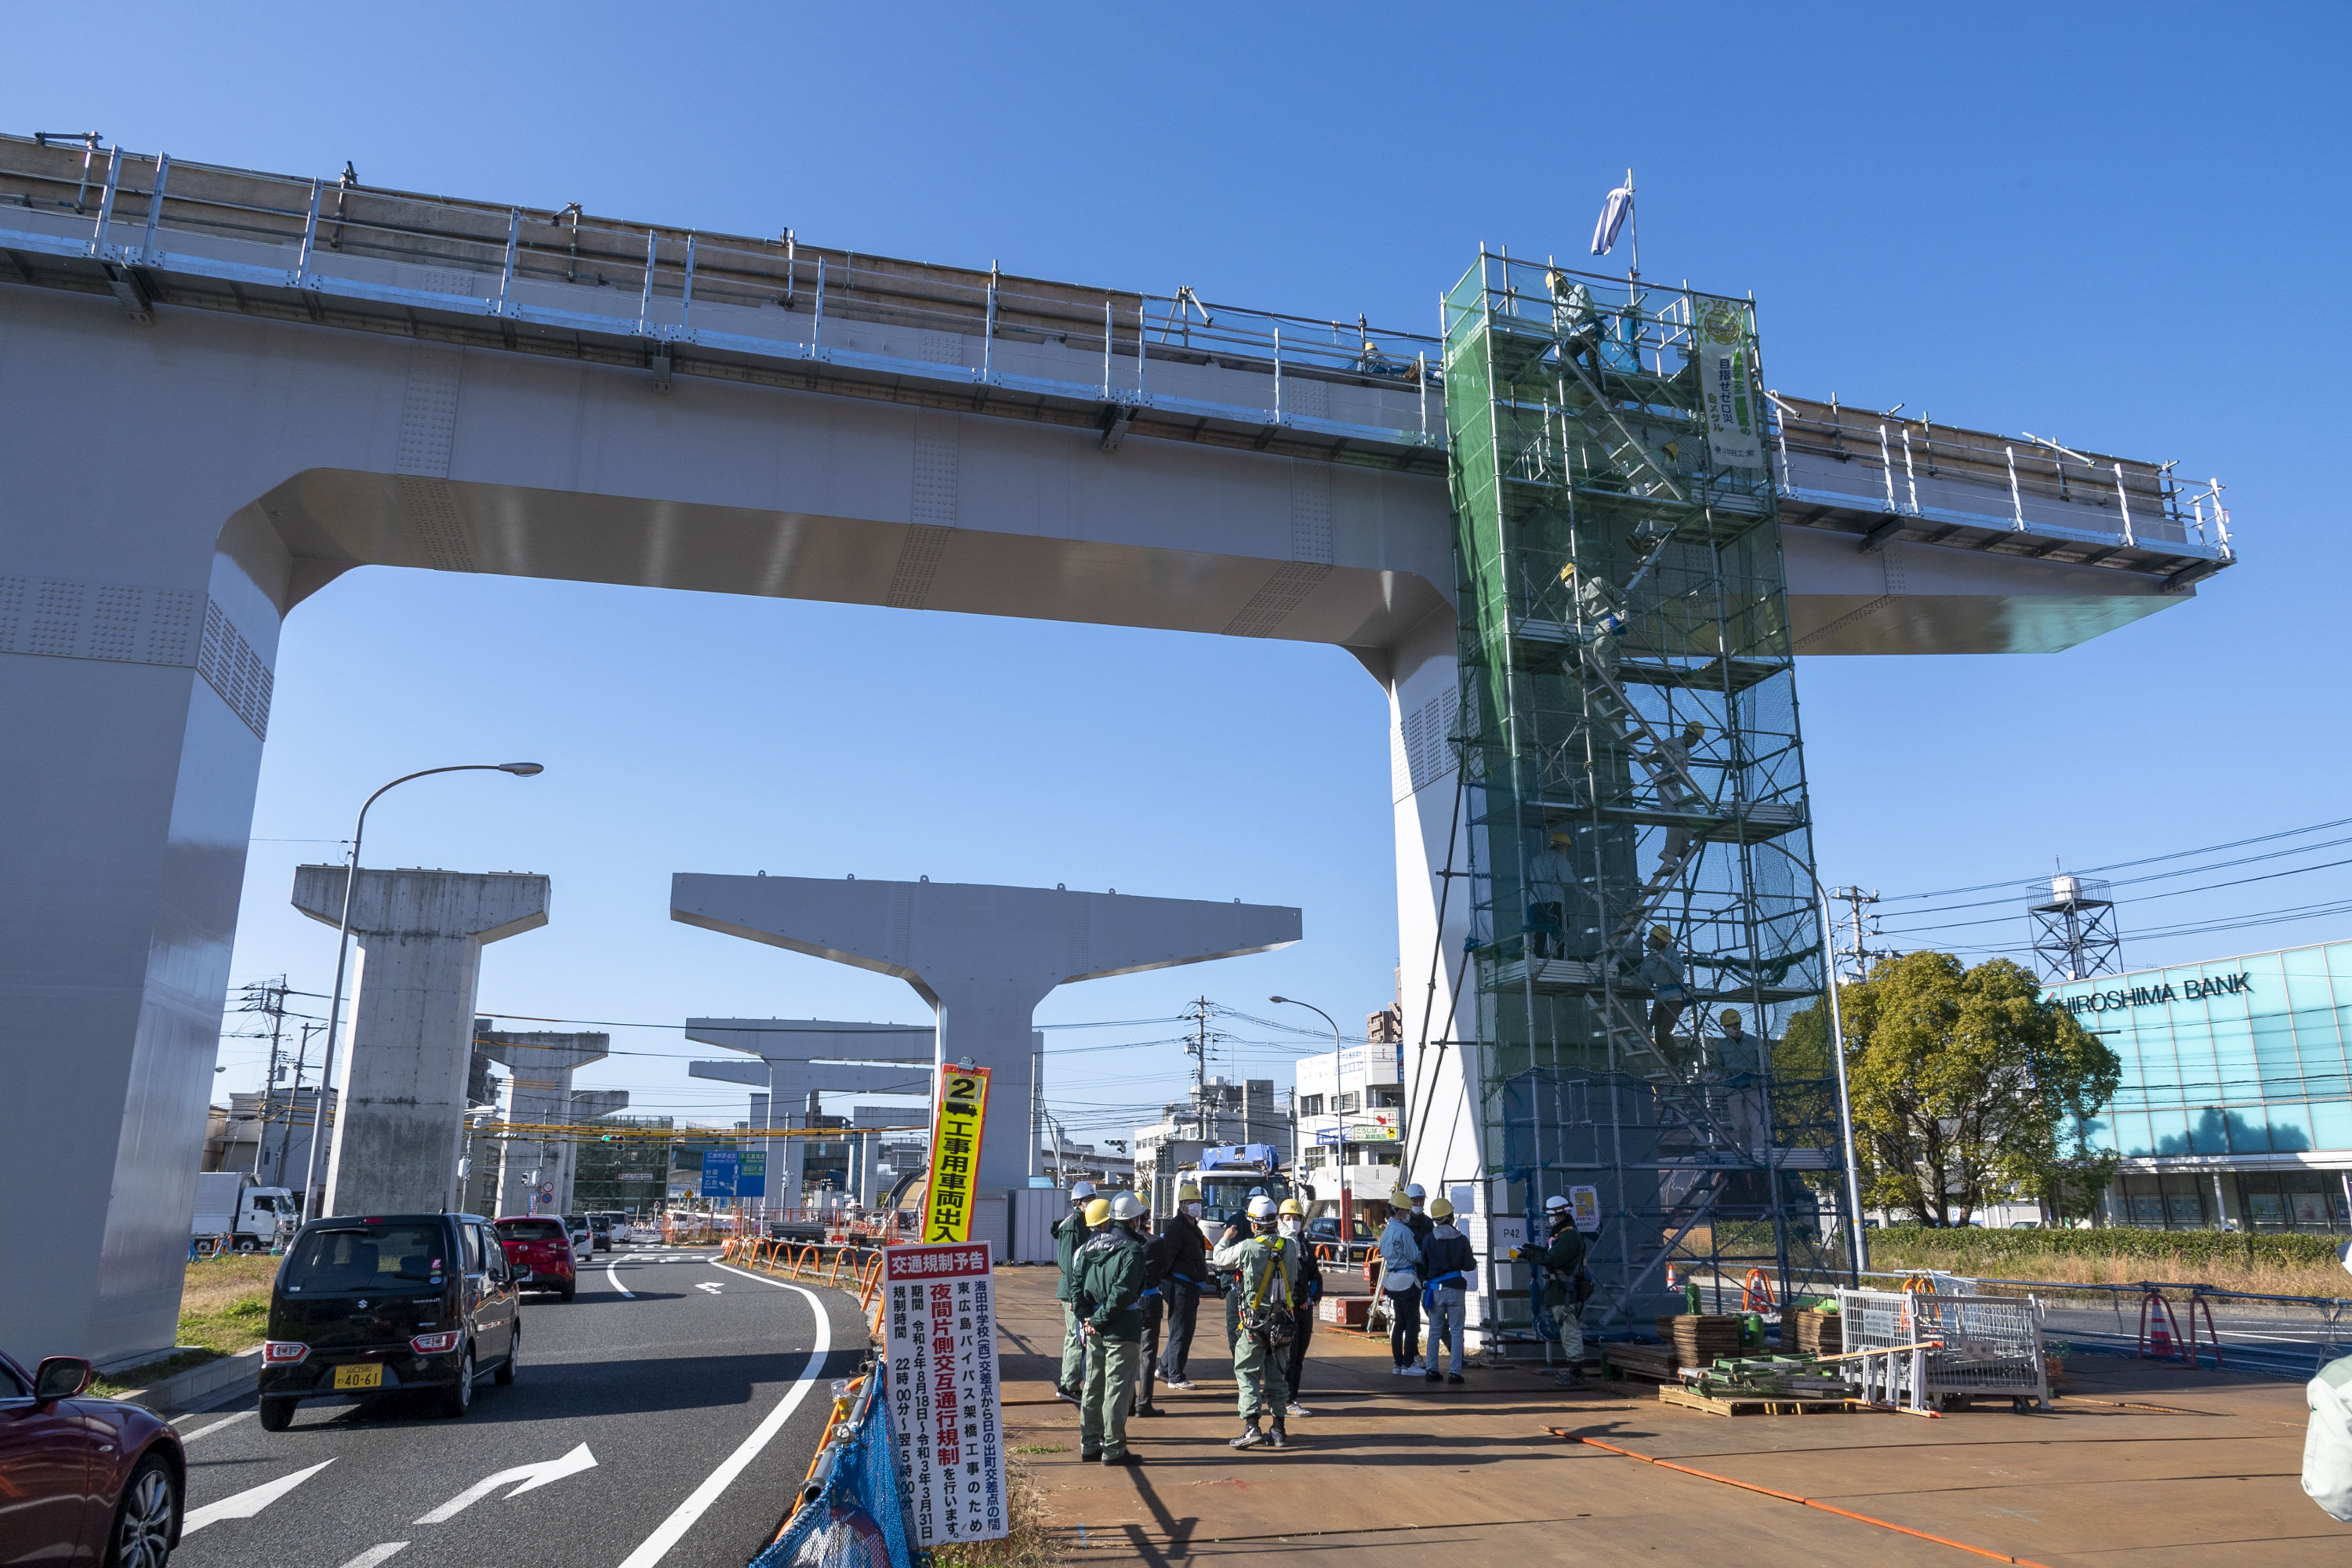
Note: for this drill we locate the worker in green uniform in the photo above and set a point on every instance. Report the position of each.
(1110, 1317)
(1563, 1261)
(1266, 1271)
(1070, 1234)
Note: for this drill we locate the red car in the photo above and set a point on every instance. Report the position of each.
(83, 1479)
(539, 1250)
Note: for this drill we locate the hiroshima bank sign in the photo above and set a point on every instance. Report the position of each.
(2159, 995)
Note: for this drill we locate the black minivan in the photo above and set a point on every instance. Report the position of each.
(375, 1306)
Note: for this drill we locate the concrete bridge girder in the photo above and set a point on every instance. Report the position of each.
(137, 645)
(789, 1075)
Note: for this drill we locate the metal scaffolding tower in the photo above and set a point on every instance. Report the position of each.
(1643, 921)
(2075, 934)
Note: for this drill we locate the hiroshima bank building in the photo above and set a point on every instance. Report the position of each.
(2236, 1102)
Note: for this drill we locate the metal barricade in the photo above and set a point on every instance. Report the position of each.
(1984, 1347)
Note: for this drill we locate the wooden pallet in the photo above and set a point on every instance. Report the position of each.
(1670, 1394)
(1655, 1362)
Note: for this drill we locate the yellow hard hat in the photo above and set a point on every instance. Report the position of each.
(1098, 1211)
(1440, 1209)
(1661, 935)
(1188, 1193)
(1730, 1019)
(1400, 1198)
(1292, 1206)
(1566, 571)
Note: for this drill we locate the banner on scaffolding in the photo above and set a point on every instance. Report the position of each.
(1735, 424)
(956, 1121)
(938, 1324)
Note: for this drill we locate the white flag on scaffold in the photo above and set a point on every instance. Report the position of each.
(1613, 213)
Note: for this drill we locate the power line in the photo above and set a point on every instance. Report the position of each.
(2148, 860)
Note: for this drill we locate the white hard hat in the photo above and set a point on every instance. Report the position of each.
(2343, 1256)
(1081, 1191)
(1554, 1204)
(1416, 1191)
(1127, 1206)
(1261, 1208)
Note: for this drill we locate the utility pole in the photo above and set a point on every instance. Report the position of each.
(1198, 1012)
(1853, 898)
(266, 996)
(294, 1101)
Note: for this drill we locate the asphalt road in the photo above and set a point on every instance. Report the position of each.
(697, 1391)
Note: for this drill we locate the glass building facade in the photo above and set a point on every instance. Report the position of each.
(2236, 1103)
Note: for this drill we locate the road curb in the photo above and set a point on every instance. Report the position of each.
(202, 1386)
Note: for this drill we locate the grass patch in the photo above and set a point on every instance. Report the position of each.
(224, 1308)
(1029, 1542)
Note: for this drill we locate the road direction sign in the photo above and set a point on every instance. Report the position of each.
(719, 1173)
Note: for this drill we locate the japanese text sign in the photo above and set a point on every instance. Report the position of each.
(955, 1154)
(940, 1340)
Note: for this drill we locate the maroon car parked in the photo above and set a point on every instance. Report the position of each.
(539, 1250)
(84, 1480)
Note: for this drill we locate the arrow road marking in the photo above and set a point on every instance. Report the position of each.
(656, 1545)
(613, 1272)
(375, 1555)
(532, 1477)
(246, 1504)
(714, 1289)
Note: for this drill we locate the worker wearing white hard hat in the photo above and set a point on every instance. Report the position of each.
(1070, 1234)
(1561, 1258)
(1187, 1275)
(1266, 1269)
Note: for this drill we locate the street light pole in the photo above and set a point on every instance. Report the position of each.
(1859, 1245)
(344, 943)
(1347, 1199)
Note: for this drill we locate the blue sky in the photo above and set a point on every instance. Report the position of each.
(2123, 226)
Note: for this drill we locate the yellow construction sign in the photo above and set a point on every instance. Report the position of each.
(955, 1154)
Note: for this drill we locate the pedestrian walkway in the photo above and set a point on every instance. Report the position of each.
(2156, 1467)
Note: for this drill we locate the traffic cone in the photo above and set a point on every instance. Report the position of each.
(2159, 1341)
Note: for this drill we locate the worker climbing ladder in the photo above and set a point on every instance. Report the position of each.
(1640, 861)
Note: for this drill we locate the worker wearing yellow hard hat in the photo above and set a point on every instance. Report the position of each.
(1448, 1266)
(1187, 1276)
(1292, 1215)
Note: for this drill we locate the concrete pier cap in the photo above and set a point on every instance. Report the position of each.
(539, 1094)
(399, 1126)
(801, 1056)
(983, 957)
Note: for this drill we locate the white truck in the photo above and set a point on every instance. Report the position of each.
(234, 1213)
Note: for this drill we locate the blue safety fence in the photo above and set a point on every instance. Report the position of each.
(852, 1512)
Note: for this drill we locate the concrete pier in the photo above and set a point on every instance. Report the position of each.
(420, 933)
(983, 957)
(539, 1094)
(801, 1057)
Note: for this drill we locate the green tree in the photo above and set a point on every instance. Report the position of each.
(1965, 1083)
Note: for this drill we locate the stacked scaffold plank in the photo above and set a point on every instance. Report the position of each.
(1702, 1339)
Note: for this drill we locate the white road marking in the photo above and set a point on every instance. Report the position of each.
(375, 1554)
(224, 1421)
(246, 1504)
(707, 1285)
(658, 1543)
(532, 1477)
(613, 1272)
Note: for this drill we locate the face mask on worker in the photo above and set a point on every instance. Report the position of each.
(1293, 1226)
(1192, 1211)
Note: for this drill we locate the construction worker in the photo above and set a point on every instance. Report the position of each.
(1447, 1266)
(1738, 1052)
(1601, 611)
(1563, 1261)
(1418, 1215)
(1187, 1276)
(1550, 879)
(1070, 1234)
(1109, 1290)
(1661, 969)
(1669, 764)
(1265, 1270)
(1400, 1251)
(1292, 1215)
(2327, 1439)
(1155, 1280)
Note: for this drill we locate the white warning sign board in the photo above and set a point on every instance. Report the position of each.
(940, 1335)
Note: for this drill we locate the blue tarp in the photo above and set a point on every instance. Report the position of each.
(855, 1520)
